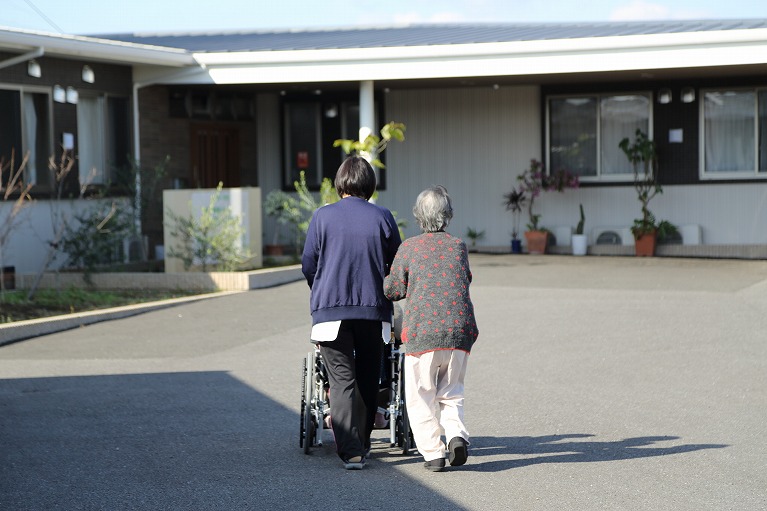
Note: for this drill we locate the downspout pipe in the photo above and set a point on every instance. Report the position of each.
(137, 158)
(137, 131)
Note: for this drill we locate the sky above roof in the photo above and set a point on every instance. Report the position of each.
(110, 16)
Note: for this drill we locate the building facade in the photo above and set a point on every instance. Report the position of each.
(479, 103)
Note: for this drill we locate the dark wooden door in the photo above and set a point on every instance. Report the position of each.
(215, 155)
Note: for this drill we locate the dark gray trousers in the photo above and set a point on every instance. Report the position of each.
(353, 362)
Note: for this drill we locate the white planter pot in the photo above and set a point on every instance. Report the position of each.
(580, 244)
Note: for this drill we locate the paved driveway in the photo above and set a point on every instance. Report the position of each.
(596, 383)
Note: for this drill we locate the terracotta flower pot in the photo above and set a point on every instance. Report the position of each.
(536, 241)
(644, 245)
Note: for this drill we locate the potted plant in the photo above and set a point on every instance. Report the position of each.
(668, 233)
(580, 240)
(533, 181)
(515, 199)
(643, 157)
(474, 235)
(285, 210)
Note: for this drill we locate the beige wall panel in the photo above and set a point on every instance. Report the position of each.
(473, 141)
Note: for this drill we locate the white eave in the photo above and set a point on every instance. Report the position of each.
(596, 54)
(91, 48)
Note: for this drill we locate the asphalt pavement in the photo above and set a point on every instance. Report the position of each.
(597, 383)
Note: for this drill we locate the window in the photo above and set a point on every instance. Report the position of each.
(211, 104)
(25, 128)
(103, 140)
(734, 138)
(310, 128)
(584, 132)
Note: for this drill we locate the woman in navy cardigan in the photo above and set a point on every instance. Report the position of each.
(349, 248)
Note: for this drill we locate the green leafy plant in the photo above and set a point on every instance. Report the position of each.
(643, 157)
(210, 241)
(667, 232)
(514, 200)
(581, 222)
(285, 210)
(143, 184)
(95, 237)
(373, 145)
(474, 235)
(309, 202)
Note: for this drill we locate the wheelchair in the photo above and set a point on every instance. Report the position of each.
(315, 401)
(399, 425)
(315, 405)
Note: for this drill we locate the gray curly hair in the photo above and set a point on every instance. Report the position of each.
(433, 209)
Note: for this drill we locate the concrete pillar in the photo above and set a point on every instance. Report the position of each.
(367, 112)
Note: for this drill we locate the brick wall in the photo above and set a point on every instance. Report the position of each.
(162, 135)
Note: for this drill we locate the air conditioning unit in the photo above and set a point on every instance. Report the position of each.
(563, 235)
(612, 236)
(691, 234)
(135, 249)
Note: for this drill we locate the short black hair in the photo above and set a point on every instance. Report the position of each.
(355, 177)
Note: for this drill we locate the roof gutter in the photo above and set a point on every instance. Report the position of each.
(517, 58)
(103, 50)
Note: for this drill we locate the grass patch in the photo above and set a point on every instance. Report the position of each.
(14, 305)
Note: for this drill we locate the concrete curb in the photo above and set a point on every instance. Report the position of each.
(210, 281)
(21, 330)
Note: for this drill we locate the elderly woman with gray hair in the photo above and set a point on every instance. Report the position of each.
(432, 271)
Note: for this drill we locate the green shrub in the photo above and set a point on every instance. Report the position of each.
(210, 241)
(96, 237)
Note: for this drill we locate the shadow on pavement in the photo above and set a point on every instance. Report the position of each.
(192, 440)
(571, 448)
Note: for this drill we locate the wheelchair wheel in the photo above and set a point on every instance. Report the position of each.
(395, 398)
(307, 425)
(404, 436)
(320, 407)
(408, 442)
(304, 406)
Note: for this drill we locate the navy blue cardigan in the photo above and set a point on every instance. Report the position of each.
(349, 248)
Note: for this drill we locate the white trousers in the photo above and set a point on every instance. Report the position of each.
(434, 399)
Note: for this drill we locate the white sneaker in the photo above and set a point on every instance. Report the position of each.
(354, 463)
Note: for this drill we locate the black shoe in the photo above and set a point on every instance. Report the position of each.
(437, 465)
(459, 451)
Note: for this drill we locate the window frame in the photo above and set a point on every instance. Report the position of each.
(740, 175)
(343, 103)
(601, 177)
(47, 185)
(109, 168)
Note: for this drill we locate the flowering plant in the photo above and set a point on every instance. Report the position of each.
(534, 180)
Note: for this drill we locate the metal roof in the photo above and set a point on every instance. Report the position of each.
(420, 35)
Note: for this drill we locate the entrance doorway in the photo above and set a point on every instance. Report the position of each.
(215, 155)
